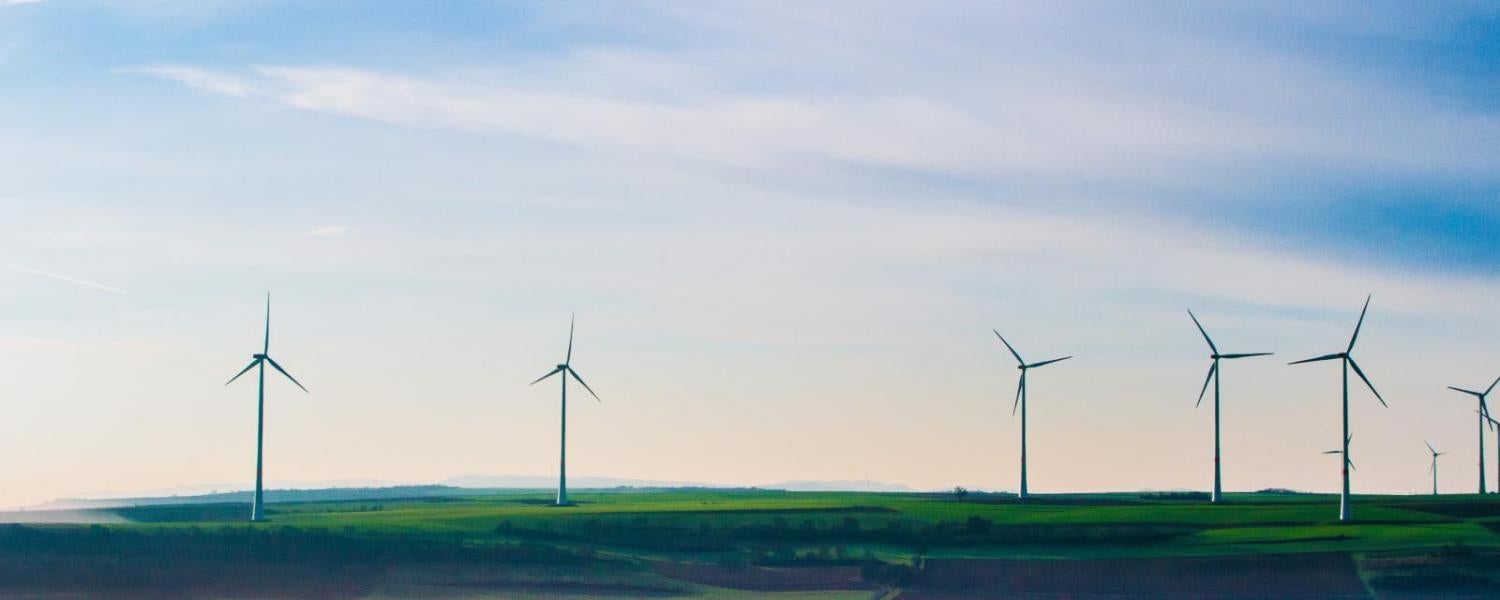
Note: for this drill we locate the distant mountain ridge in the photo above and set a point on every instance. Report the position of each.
(548, 482)
(464, 485)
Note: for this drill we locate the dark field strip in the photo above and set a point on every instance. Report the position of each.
(1328, 575)
(1457, 510)
(224, 512)
(566, 588)
(170, 577)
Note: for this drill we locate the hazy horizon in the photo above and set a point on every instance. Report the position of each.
(786, 232)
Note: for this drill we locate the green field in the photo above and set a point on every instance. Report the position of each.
(744, 543)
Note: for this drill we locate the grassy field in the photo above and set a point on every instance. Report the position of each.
(751, 543)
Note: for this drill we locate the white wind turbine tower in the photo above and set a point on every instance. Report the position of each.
(1021, 401)
(257, 510)
(1348, 362)
(1214, 374)
(566, 371)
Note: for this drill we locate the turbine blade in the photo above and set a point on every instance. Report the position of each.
(1012, 349)
(1020, 387)
(1351, 465)
(1334, 452)
(1246, 354)
(1323, 357)
(242, 372)
(283, 372)
(1469, 392)
(1359, 324)
(1429, 446)
(571, 320)
(585, 385)
(1492, 387)
(1361, 373)
(549, 374)
(1047, 362)
(1210, 341)
(1212, 369)
(266, 349)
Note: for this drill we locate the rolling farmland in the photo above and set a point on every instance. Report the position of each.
(758, 543)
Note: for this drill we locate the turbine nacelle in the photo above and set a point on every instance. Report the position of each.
(565, 370)
(264, 356)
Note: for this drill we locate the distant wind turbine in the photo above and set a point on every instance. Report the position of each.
(1348, 361)
(562, 465)
(1214, 375)
(257, 510)
(1021, 400)
(1484, 412)
(1433, 469)
(1346, 461)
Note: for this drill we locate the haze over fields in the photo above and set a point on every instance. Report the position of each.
(786, 230)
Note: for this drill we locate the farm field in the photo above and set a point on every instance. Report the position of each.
(758, 543)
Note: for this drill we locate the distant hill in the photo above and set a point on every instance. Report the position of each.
(581, 483)
(317, 495)
(837, 486)
(466, 485)
(550, 482)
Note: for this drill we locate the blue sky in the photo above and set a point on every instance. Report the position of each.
(786, 233)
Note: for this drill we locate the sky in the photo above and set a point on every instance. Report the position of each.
(786, 229)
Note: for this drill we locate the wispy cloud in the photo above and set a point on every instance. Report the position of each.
(1039, 127)
(73, 280)
(213, 82)
(327, 230)
(13, 2)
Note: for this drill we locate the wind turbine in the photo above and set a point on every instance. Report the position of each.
(1021, 400)
(1348, 362)
(257, 510)
(1433, 469)
(1346, 461)
(1214, 376)
(562, 464)
(1484, 412)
